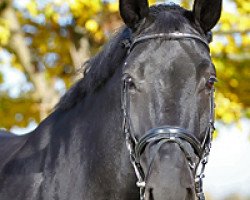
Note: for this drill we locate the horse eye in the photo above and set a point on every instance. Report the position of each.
(130, 84)
(211, 81)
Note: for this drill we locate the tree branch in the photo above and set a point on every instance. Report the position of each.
(45, 91)
(231, 32)
(234, 57)
(17, 41)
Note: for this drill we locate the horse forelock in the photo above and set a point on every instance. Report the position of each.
(169, 18)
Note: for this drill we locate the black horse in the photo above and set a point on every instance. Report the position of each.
(142, 113)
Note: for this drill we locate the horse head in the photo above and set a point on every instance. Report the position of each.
(167, 101)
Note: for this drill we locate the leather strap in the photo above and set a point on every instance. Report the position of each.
(167, 132)
(168, 36)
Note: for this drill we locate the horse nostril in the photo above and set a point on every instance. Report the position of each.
(151, 196)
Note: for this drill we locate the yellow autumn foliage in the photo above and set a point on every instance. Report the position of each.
(91, 25)
(32, 8)
(4, 32)
(57, 32)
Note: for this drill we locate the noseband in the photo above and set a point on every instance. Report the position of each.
(166, 134)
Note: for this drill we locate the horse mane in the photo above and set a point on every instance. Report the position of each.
(97, 70)
(101, 67)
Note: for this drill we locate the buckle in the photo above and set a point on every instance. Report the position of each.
(141, 184)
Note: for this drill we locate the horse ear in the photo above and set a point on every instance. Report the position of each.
(207, 13)
(132, 11)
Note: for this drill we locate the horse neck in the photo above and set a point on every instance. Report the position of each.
(97, 116)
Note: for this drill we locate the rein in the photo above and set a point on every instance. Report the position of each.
(166, 134)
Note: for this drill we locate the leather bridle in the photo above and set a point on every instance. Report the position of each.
(166, 134)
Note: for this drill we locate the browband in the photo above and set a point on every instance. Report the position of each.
(168, 36)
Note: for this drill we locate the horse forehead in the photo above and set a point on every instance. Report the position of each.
(168, 47)
(169, 59)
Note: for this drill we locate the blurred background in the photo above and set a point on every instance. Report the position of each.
(43, 44)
